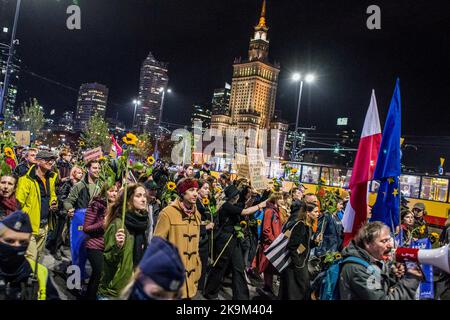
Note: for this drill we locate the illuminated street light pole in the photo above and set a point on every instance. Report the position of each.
(9, 61)
(136, 103)
(163, 91)
(309, 79)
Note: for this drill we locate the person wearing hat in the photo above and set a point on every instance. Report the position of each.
(160, 274)
(419, 216)
(21, 278)
(37, 197)
(179, 223)
(228, 248)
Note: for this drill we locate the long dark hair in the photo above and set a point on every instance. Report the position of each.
(304, 209)
(115, 211)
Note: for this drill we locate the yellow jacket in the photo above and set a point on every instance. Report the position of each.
(28, 194)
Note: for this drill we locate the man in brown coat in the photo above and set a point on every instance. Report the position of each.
(179, 223)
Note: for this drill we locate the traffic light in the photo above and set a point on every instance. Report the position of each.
(337, 148)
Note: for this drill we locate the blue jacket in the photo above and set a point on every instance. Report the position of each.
(332, 234)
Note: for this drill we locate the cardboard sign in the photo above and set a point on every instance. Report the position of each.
(23, 137)
(92, 154)
(242, 165)
(257, 165)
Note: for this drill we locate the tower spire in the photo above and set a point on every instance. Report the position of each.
(262, 19)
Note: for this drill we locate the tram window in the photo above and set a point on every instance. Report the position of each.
(410, 186)
(339, 177)
(347, 177)
(325, 176)
(310, 174)
(434, 189)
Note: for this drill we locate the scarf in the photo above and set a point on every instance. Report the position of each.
(188, 212)
(136, 225)
(9, 205)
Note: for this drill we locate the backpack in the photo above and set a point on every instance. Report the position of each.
(329, 289)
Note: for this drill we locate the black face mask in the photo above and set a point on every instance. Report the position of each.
(11, 258)
(138, 293)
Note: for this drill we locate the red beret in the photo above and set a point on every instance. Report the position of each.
(185, 184)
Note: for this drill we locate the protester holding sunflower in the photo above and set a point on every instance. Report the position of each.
(229, 248)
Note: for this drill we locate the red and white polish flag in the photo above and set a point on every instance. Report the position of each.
(355, 214)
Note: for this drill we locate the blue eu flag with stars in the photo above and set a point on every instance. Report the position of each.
(388, 169)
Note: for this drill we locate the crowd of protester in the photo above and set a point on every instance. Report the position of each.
(182, 233)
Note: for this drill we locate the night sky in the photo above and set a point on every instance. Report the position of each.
(201, 38)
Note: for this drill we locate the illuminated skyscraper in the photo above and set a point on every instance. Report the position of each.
(153, 81)
(92, 98)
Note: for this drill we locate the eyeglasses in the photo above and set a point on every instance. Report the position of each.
(48, 160)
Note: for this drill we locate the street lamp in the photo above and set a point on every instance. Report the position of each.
(297, 77)
(163, 91)
(136, 103)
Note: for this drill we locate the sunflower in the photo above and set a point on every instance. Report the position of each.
(434, 236)
(258, 222)
(130, 139)
(294, 170)
(218, 189)
(171, 186)
(82, 144)
(243, 224)
(9, 152)
(337, 256)
(422, 229)
(101, 159)
(205, 201)
(150, 160)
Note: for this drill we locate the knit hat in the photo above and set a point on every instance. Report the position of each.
(18, 221)
(185, 184)
(162, 263)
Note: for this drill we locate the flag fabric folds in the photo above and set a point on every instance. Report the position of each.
(388, 168)
(355, 214)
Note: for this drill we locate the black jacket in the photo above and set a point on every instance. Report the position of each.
(375, 283)
(295, 282)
